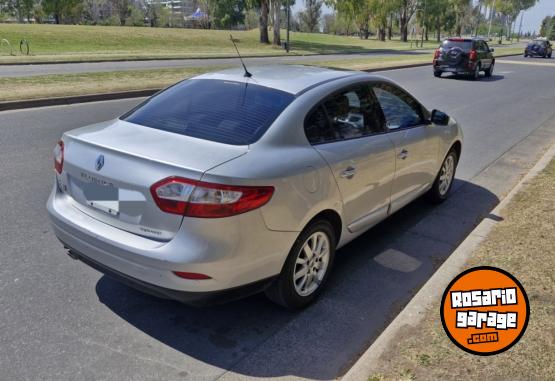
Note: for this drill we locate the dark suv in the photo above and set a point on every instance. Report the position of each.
(538, 47)
(468, 56)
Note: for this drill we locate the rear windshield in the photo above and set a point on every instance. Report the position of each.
(464, 45)
(221, 111)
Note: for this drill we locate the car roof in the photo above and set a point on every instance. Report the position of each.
(293, 79)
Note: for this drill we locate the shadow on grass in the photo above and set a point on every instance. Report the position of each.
(374, 277)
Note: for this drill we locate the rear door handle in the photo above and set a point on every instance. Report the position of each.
(348, 173)
(403, 154)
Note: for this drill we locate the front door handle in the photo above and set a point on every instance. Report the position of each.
(349, 172)
(403, 154)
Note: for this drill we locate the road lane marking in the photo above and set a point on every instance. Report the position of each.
(527, 63)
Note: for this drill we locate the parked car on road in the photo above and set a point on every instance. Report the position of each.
(539, 47)
(223, 185)
(464, 56)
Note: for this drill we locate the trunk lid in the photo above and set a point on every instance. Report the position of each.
(109, 168)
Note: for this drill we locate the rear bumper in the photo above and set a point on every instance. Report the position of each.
(198, 299)
(464, 68)
(234, 253)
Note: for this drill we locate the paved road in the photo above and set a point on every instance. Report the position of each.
(61, 320)
(87, 67)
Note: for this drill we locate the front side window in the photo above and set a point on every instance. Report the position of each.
(221, 111)
(348, 114)
(400, 109)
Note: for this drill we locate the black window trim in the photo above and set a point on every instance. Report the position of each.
(320, 103)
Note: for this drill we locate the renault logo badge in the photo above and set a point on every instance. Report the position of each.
(99, 162)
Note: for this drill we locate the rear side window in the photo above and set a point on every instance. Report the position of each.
(348, 114)
(220, 111)
(449, 44)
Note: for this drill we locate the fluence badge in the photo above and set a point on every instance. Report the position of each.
(484, 310)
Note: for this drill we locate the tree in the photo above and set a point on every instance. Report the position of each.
(310, 17)
(122, 8)
(263, 6)
(406, 11)
(59, 8)
(547, 28)
(228, 13)
(276, 12)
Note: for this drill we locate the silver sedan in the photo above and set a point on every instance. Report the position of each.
(225, 184)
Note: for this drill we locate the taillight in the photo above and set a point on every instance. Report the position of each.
(194, 198)
(194, 276)
(436, 54)
(473, 56)
(59, 156)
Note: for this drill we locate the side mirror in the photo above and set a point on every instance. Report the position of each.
(440, 118)
(492, 50)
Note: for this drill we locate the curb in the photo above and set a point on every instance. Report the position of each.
(432, 290)
(43, 102)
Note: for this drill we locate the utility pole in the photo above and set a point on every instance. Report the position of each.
(491, 11)
(288, 23)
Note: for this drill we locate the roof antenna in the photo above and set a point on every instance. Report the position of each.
(247, 74)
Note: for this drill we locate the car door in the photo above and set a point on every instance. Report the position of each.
(485, 54)
(347, 129)
(416, 144)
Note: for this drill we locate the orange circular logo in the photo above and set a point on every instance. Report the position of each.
(485, 310)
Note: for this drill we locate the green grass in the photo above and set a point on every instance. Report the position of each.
(80, 42)
(49, 86)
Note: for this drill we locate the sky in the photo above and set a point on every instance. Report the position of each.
(531, 21)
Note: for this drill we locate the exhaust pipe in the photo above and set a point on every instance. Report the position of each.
(72, 255)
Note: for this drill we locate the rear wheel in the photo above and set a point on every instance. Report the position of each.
(307, 267)
(489, 72)
(525, 54)
(476, 74)
(444, 180)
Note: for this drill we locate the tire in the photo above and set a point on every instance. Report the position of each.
(437, 73)
(476, 74)
(489, 72)
(525, 55)
(288, 292)
(440, 191)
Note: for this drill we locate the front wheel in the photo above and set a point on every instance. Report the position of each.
(437, 73)
(306, 268)
(444, 180)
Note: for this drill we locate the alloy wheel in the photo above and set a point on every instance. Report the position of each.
(311, 263)
(446, 174)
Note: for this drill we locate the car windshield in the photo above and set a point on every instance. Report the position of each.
(221, 111)
(464, 45)
(537, 42)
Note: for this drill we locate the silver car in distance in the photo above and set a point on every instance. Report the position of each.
(225, 185)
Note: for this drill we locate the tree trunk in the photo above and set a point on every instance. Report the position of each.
(264, 22)
(277, 13)
(404, 27)
(381, 33)
(438, 29)
(390, 27)
(57, 18)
